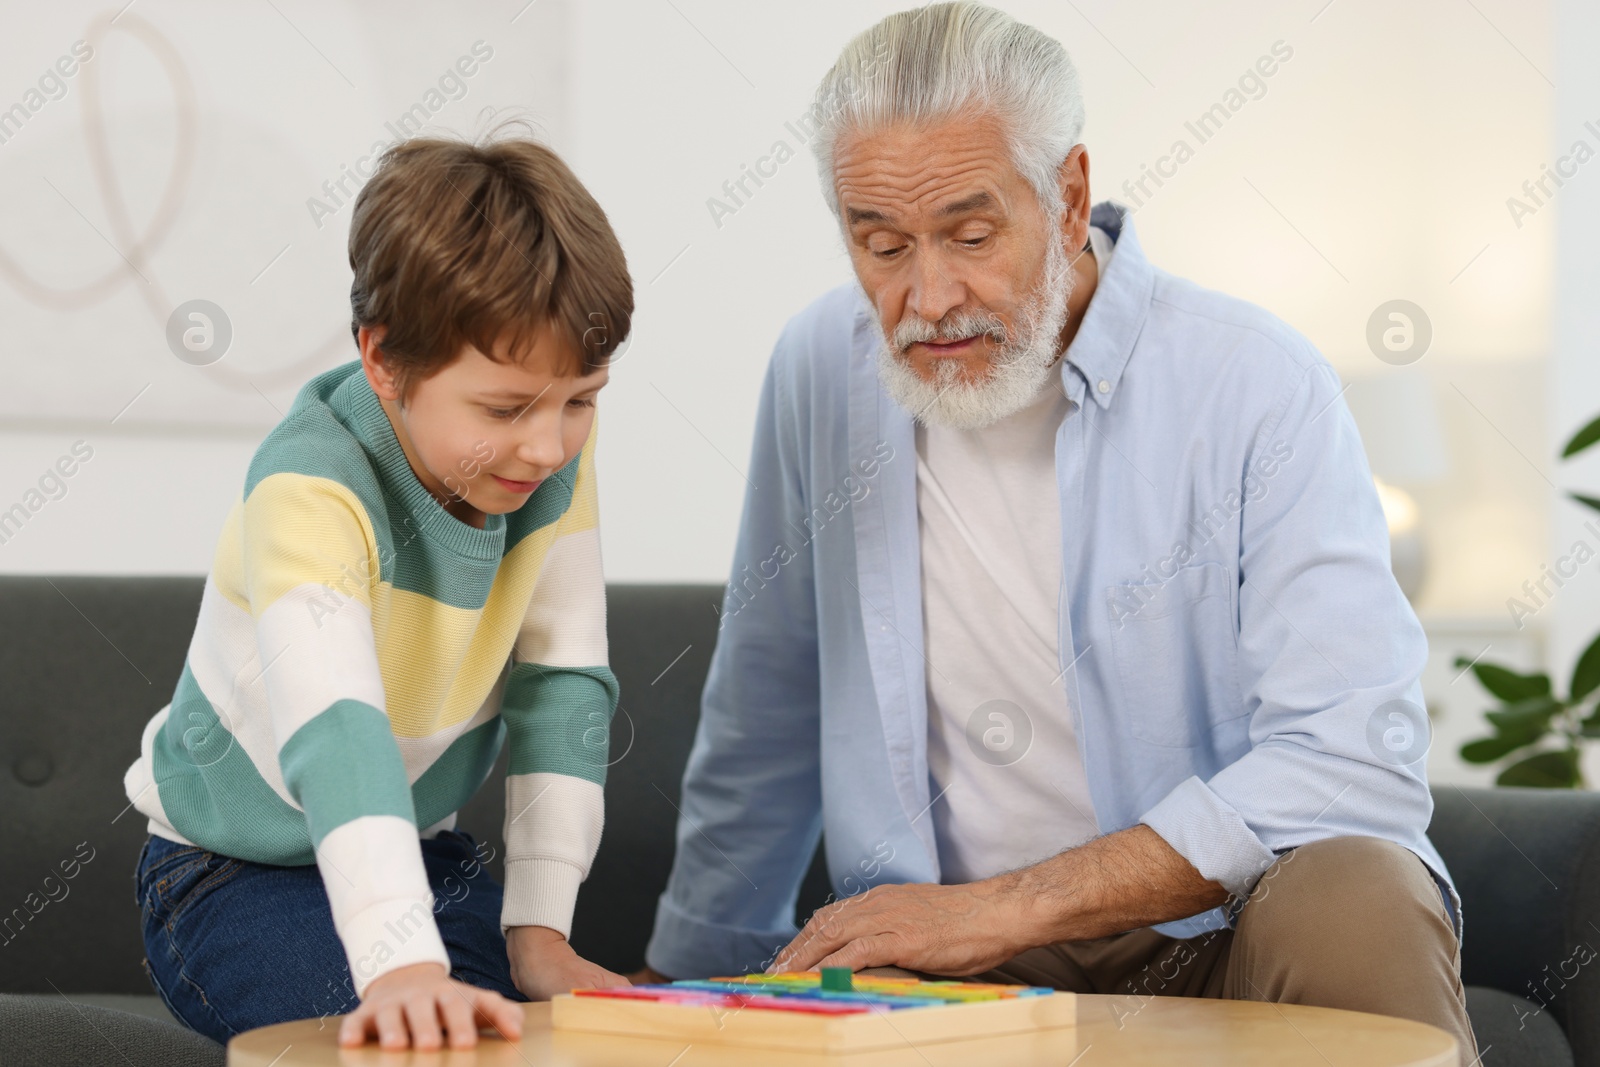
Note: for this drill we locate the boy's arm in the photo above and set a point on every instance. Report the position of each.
(557, 705)
(309, 553)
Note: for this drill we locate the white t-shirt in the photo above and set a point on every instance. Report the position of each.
(1002, 749)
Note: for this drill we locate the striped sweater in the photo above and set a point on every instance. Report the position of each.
(360, 657)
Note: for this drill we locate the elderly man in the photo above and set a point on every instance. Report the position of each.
(1061, 602)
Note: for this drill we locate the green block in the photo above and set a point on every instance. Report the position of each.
(837, 979)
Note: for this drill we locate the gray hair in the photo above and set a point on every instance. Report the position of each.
(943, 60)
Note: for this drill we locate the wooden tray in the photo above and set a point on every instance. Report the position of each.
(803, 1032)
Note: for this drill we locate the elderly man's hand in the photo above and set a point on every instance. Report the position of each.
(940, 929)
(1121, 881)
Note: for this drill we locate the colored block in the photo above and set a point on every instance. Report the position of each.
(838, 979)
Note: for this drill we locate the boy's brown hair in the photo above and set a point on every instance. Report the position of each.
(484, 244)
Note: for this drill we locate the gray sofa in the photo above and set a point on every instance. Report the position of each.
(85, 661)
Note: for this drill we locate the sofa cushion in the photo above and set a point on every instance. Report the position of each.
(1527, 864)
(51, 1031)
(86, 662)
(1513, 1032)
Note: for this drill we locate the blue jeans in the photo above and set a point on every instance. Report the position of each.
(232, 945)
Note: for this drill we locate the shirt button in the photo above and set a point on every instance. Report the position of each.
(1104, 386)
(882, 628)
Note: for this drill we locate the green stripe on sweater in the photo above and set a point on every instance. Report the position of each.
(343, 764)
(213, 794)
(560, 719)
(455, 776)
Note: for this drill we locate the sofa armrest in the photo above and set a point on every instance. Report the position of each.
(1527, 865)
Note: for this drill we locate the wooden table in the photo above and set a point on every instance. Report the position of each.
(1111, 1030)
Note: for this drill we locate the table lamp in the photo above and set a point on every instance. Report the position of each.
(1398, 415)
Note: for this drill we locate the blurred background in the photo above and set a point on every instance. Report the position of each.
(1410, 187)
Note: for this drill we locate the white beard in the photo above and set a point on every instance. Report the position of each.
(1017, 371)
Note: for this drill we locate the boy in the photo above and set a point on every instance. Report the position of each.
(410, 576)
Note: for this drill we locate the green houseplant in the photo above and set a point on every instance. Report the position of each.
(1543, 731)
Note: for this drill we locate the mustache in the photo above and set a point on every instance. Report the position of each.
(957, 325)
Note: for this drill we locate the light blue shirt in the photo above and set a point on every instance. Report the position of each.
(1233, 642)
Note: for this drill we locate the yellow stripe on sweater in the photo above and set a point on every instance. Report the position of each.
(436, 663)
(297, 529)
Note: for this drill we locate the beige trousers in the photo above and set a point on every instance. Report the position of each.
(1350, 922)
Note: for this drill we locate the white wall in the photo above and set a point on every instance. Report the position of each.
(1376, 165)
(1359, 175)
(1367, 141)
(1574, 395)
(274, 100)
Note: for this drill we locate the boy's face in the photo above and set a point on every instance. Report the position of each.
(482, 435)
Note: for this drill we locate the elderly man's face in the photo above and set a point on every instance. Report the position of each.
(942, 228)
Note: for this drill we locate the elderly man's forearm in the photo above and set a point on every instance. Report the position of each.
(1122, 881)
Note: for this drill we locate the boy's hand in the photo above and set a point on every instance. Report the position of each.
(406, 1005)
(543, 964)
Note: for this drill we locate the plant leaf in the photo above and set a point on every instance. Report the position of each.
(1586, 675)
(1547, 770)
(1489, 749)
(1509, 685)
(1528, 720)
(1582, 439)
(1589, 501)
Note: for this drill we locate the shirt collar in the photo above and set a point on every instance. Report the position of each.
(1116, 312)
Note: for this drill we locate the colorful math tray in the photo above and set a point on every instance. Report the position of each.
(799, 1011)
